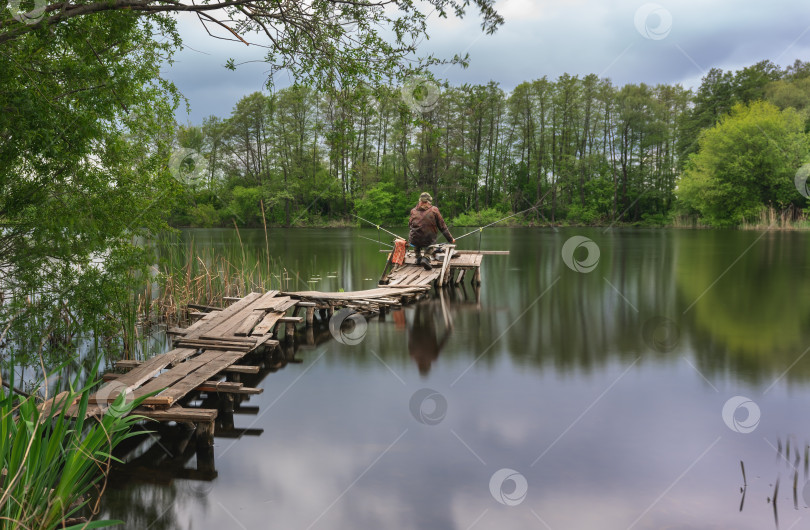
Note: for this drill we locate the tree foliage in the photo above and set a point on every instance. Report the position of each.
(745, 163)
(327, 43)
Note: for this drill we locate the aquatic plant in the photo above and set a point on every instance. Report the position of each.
(55, 464)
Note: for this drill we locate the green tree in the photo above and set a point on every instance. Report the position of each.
(85, 133)
(745, 164)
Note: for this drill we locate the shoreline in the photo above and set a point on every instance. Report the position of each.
(799, 228)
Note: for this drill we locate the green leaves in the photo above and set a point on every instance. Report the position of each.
(745, 163)
(53, 461)
(83, 150)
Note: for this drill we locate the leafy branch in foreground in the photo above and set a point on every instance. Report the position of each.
(325, 42)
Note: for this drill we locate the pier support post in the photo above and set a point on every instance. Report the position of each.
(205, 434)
(205, 459)
(226, 400)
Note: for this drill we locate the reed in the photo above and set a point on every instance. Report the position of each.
(188, 275)
(53, 465)
(771, 218)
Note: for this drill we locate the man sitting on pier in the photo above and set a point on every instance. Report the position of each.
(425, 223)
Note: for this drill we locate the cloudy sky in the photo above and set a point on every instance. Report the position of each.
(628, 41)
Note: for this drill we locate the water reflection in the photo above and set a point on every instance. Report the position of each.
(163, 472)
(601, 388)
(426, 336)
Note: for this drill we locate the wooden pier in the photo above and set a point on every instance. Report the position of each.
(212, 356)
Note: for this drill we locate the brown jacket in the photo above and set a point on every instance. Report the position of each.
(425, 223)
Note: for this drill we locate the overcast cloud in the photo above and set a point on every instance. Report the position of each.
(628, 41)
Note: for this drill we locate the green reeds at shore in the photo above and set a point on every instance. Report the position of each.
(770, 218)
(205, 277)
(53, 466)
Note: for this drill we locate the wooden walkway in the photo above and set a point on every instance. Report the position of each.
(210, 355)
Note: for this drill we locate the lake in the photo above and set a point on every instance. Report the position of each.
(599, 378)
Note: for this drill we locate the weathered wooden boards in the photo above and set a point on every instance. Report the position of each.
(368, 294)
(369, 301)
(221, 337)
(204, 350)
(443, 272)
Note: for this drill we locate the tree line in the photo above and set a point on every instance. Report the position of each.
(587, 151)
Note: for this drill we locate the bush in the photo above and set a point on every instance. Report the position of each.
(378, 204)
(245, 205)
(484, 217)
(204, 216)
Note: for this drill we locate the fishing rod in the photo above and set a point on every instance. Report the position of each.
(375, 241)
(534, 207)
(377, 226)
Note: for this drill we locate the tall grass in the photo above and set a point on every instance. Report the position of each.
(53, 464)
(206, 276)
(771, 218)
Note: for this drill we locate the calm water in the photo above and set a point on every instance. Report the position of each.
(603, 392)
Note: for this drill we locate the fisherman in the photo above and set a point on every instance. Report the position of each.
(425, 223)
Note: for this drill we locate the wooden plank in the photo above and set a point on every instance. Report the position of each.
(382, 301)
(367, 294)
(447, 256)
(198, 377)
(201, 343)
(146, 371)
(157, 401)
(236, 368)
(200, 323)
(233, 324)
(238, 433)
(178, 413)
(278, 304)
(271, 319)
(234, 340)
(58, 401)
(460, 277)
(137, 376)
(414, 277)
(427, 279)
(220, 317)
(409, 276)
(385, 273)
(205, 308)
(223, 387)
(405, 276)
(267, 324)
(242, 369)
(217, 346)
(250, 321)
(265, 340)
(170, 377)
(271, 302)
(127, 364)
